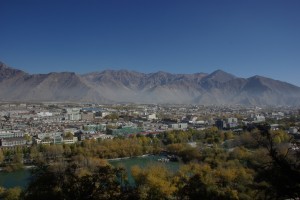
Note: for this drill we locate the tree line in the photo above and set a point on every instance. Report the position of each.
(258, 164)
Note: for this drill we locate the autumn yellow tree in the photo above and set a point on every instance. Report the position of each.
(153, 182)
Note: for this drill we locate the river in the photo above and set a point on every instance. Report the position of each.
(21, 178)
(143, 162)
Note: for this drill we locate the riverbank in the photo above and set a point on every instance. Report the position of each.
(21, 178)
(11, 168)
(124, 158)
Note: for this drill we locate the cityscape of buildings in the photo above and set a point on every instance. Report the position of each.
(25, 124)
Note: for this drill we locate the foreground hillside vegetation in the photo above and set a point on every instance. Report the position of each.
(255, 164)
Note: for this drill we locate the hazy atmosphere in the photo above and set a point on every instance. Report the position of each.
(244, 38)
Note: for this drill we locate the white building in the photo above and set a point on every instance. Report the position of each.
(104, 114)
(73, 114)
(200, 122)
(11, 134)
(293, 130)
(45, 114)
(178, 126)
(70, 140)
(259, 118)
(151, 117)
(232, 120)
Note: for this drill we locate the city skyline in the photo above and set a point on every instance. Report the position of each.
(244, 38)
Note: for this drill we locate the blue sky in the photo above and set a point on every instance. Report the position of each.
(242, 37)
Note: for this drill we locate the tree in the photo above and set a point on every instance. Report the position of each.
(229, 135)
(1, 156)
(27, 137)
(282, 172)
(64, 181)
(12, 193)
(154, 182)
(67, 150)
(175, 148)
(190, 153)
(69, 135)
(201, 181)
(102, 184)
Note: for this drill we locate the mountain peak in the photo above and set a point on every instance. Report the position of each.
(257, 76)
(7, 72)
(3, 66)
(1, 63)
(218, 71)
(219, 87)
(220, 76)
(161, 73)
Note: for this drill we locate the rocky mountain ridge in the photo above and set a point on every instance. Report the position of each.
(115, 86)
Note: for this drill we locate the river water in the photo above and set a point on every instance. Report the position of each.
(18, 178)
(143, 162)
(21, 178)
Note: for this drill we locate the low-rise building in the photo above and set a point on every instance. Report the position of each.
(44, 114)
(69, 140)
(73, 114)
(94, 127)
(151, 116)
(125, 131)
(87, 116)
(293, 130)
(259, 118)
(11, 134)
(232, 120)
(178, 126)
(11, 142)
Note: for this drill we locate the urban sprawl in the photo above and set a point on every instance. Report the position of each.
(26, 124)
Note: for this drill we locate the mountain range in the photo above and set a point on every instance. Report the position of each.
(120, 86)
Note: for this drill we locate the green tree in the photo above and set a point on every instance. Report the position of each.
(69, 135)
(189, 154)
(12, 193)
(65, 183)
(282, 172)
(1, 156)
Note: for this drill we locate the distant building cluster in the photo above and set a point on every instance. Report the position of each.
(31, 124)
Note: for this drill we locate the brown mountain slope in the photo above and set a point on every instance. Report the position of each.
(127, 86)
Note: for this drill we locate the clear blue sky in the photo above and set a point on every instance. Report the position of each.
(242, 37)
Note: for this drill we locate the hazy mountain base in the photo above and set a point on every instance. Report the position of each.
(126, 86)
